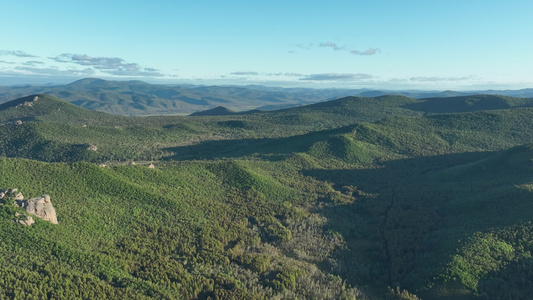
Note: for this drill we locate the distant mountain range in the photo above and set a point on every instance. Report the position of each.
(141, 98)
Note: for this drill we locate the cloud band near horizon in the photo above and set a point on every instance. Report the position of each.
(17, 53)
(110, 65)
(337, 77)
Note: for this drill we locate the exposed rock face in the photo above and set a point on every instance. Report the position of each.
(92, 148)
(40, 207)
(18, 196)
(24, 220)
(26, 103)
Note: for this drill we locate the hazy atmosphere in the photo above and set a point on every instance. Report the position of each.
(438, 45)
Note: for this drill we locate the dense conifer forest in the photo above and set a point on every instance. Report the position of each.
(388, 197)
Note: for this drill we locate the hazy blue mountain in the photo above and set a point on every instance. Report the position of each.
(140, 98)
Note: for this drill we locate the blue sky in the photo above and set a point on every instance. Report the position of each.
(438, 45)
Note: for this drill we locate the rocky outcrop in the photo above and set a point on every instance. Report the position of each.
(23, 219)
(40, 207)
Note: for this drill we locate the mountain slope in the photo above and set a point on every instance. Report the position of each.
(339, 199)
(47, 108)
(468, 103)
(139, 233)
(141, 98)
(217, 111)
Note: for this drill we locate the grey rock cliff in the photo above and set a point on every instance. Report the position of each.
(40, 207)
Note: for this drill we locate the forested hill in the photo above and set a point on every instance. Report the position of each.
(386, 197)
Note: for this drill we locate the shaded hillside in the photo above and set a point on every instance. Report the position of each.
(443, 227)
(47, 108)
(217, 111)
(369, 143)
(468, 103)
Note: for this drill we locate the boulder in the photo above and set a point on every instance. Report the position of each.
(40, 207)
(24, 220)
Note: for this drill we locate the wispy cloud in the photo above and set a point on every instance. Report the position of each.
(17, 53)
(336, 47)
(110, 65)
(51, 71)
(285, 74)
(331, 45)
(307, 46)
(437, 79)
(310, 77)
(134, 72)
(337, 77)
(100, 63)
(33, 63)
(369, 51)
(276, 74)
(248, 73)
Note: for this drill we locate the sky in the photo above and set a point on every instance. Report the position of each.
(375, 44)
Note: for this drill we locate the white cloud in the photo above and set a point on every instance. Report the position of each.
(51, 71)
(437, 78)
(33, 63)
(337, 77)
(248, 73)
(331, 45)
(17, 53)
(369, 51)
(334, 46)
(109, 65)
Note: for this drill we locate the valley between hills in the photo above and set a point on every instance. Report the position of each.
(387, 197)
